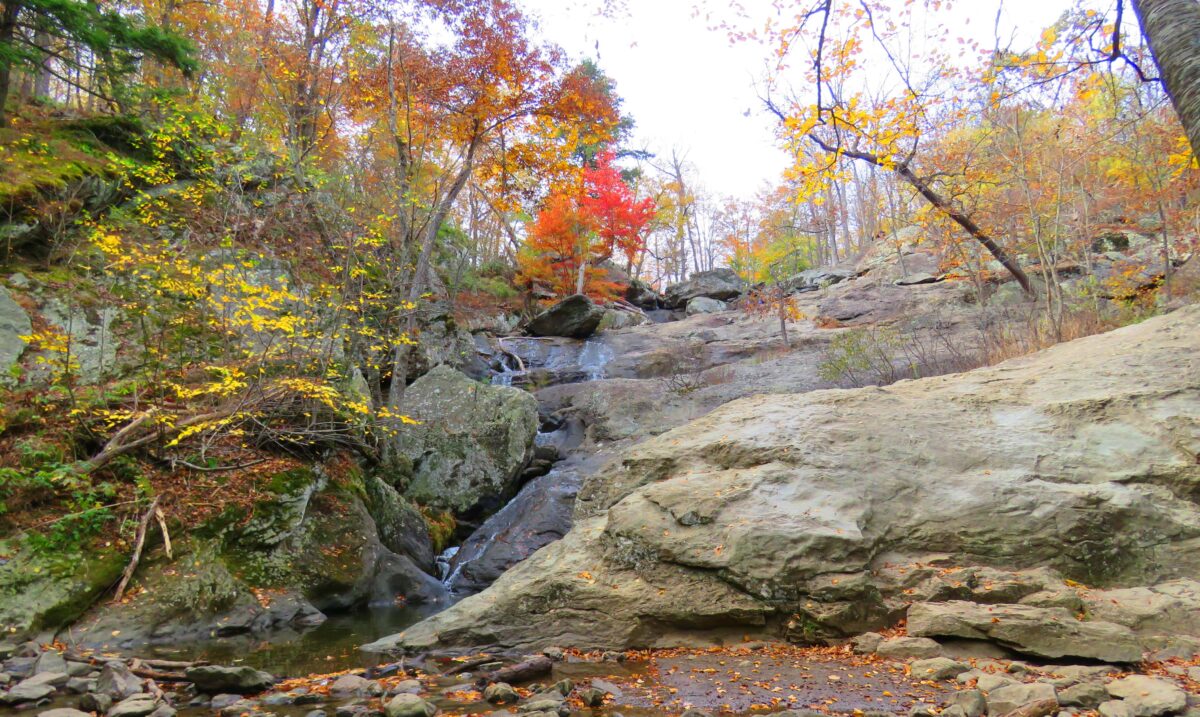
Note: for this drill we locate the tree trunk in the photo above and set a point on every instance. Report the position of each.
(1172, 28)
(8, 30)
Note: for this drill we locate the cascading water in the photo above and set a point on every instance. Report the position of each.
(594, 358)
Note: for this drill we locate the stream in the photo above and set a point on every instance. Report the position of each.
(538, 514)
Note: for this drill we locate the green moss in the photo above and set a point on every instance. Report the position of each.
(292, 482)
(40, 591)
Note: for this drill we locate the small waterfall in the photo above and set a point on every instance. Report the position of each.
(594, 358)
(443, 562)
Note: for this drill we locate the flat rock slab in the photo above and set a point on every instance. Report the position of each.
(1045, 632)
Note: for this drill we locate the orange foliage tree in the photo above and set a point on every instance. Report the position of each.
(583, 226)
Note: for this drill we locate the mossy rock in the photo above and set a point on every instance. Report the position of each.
(43, 593)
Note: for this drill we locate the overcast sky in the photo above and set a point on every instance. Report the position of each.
(689, 89)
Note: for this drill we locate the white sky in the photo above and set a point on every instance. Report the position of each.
(688, 88)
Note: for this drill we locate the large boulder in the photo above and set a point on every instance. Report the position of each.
(575, 317)
(720, 284)
(470, 443)
(829, 510)
(705, 305)
(218, 679)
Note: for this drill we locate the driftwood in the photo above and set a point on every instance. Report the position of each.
(1038, 708)
(139, 543)
(158, 670)
(522, 672)
(469, 664)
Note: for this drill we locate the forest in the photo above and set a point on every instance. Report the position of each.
(371, 357)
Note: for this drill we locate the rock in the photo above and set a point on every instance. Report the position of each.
(1087, 695)
(164, 710)
(615, 319)
(134, 706)
(642, 295)
(592, 697)
(316, 713)
(705, 305)
(80, 685)
(743, 514)
(409, 706)
(1148, 696)
(541, 703)
(866, 643)
(50, 661)
(903, 648)
(14, 323)
(917, 279)
(411, 687)
(242, 680)
(54, 679)
(562, 687)
(937, 668)
(79, 669)
(922, 710)
(971, 702)
(354, 685)
(1045, 632)
(25, 692)
(555, 653)
(220, 702)
(1005, 699)
(953, 711)
(63, 712)
(471, 444)
(95, 702)
(500, 693)
(990, 682)
(720, 284)
(117, 681)
(813, 279)
(1114, 708)
(575, 317)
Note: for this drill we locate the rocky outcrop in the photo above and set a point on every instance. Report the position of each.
(14, 324)
(705, 305)
(826, 514)
(469, 445)
(719, 284)
(575, 317)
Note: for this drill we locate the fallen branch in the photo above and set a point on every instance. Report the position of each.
(523, 672)
(469, 664)
(139, 543)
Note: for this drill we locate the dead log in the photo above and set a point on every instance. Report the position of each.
(139, 543)
(1038, 708)
(531, 669)
(469, 664)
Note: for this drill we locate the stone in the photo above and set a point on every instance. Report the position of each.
(575, 317)
(95, 702)
(1114, 708)
(79, 669)
(241, 680)
(719, 284)
(1005, 699)
(1045, 632)
(471, 444)
(50, 661)
(407, 687)
(80, 685)
(592, 697)
(1087, 695)
(407, 705)
(164, 710)
(866, 643)
(23, 692)
(903, 648)
(917, 279)
(796, 487)
(990, 682)
(971, 702)
(54, 679)
(14, 323)
(316, 713)
(705, 305)
(63, 712)
(555, 653)
(220, 702)
(354, 685)
(1148, 696)
(134, 706)
(937, 668)
(500, 693)
(117, 681)
(541, 703)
